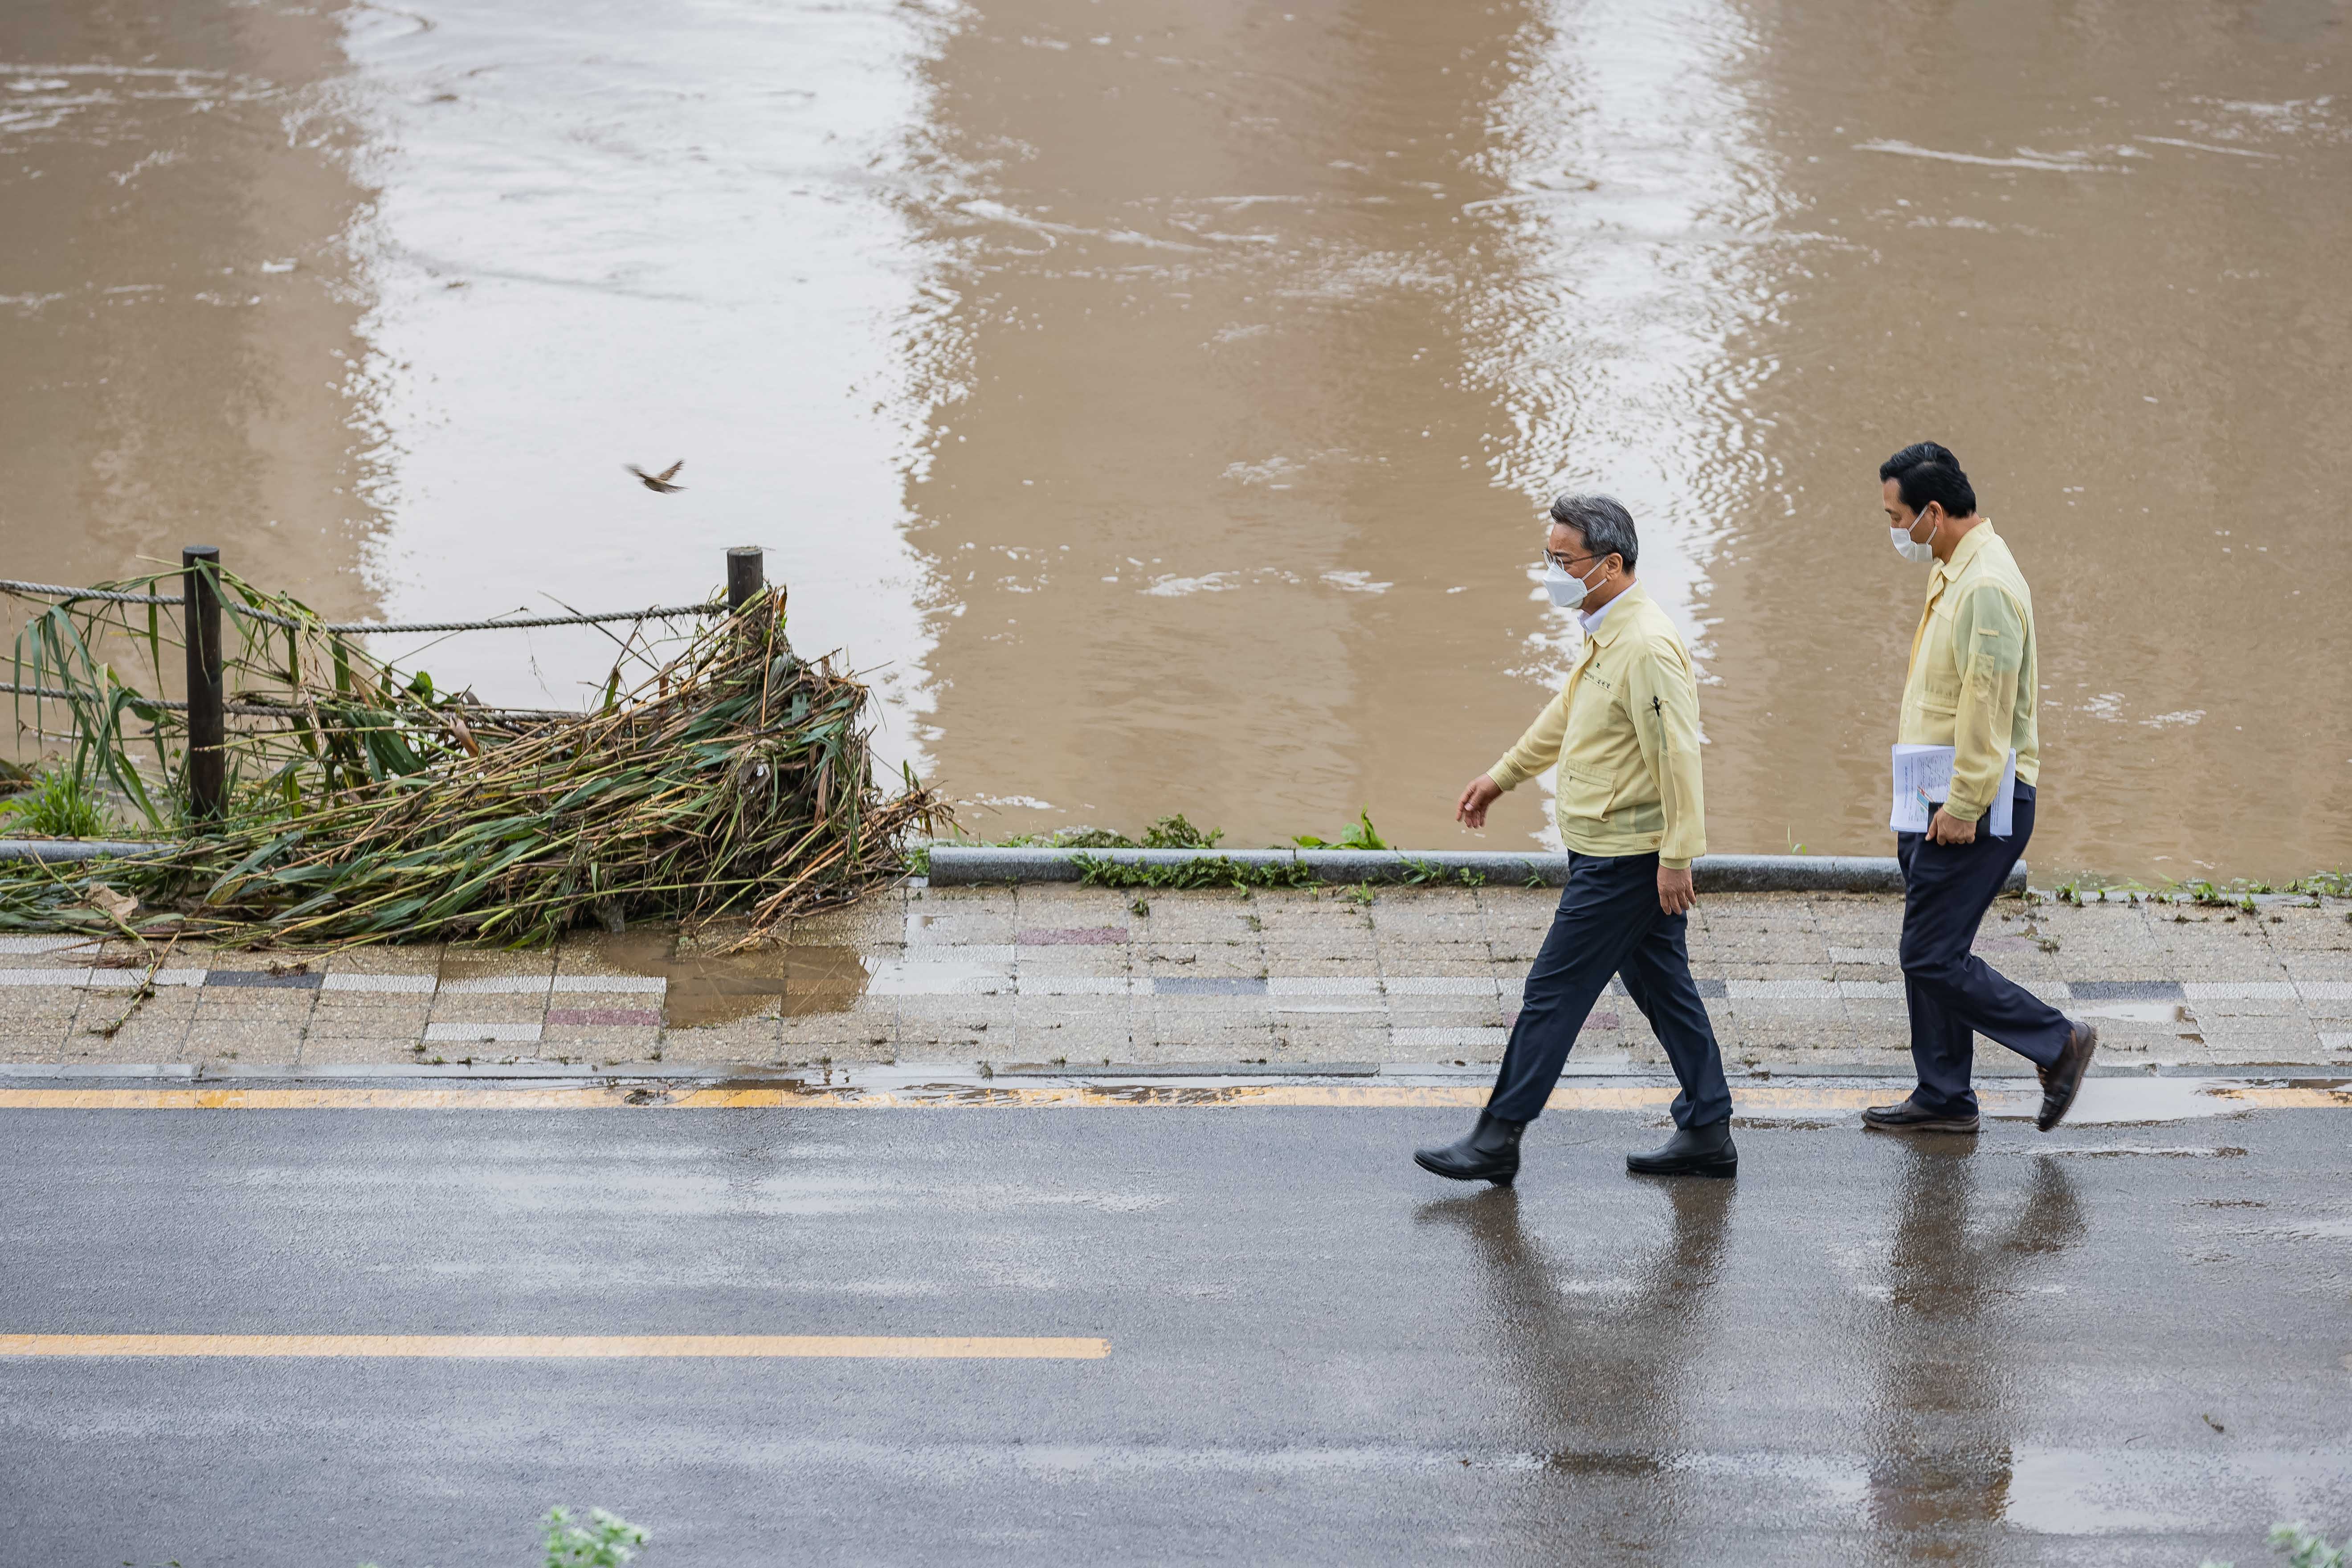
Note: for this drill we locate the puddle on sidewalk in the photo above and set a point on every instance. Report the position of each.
(2140, 1013)
(705, 989)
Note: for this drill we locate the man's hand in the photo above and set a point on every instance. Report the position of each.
(1476, 796)
(1675, 895)
(1944, 828)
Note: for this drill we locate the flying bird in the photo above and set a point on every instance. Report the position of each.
(659, 483)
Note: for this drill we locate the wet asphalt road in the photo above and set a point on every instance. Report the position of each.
(2111, 1345)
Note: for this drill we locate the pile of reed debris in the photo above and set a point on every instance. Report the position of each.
(732, 780)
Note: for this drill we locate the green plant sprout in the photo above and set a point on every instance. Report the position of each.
(61, 804)
(2305, 1547)
(606, 1541)
(1358, 835)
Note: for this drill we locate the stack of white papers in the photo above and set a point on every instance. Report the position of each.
(1923, 780)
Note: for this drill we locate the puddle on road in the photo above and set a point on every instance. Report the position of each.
(714, 988)
(2112, 1102)
(2165, 1490)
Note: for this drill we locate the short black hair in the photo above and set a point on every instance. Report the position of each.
(1911, 457)
(1926, 472)
(1603, 521)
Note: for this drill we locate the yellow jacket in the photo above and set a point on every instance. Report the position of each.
(1973, 679)
(1625, 732)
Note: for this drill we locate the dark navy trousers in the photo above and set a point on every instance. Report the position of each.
(1955, 995)
(1610, 923)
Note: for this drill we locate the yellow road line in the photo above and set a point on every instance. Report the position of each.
(559, 1346)
(2283, 1099)
(1748, 1099)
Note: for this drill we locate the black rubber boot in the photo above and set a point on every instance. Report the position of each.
(1690, 1151)
(1491, 1153)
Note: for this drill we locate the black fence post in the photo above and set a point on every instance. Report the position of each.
(207, 718)
(746, 577)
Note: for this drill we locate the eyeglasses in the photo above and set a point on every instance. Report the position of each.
(1567, 563)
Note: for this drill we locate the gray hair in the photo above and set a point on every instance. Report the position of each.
(1606, 526)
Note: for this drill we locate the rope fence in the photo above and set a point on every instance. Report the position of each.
(208, 708)
(363, 629)
(288, 711)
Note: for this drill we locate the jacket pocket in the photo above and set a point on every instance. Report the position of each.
(1584, 794)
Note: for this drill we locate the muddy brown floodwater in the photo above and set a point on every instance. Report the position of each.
(1158, 397)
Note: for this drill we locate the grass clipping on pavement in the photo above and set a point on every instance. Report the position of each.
(733, 781)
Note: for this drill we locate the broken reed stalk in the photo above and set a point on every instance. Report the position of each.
(366, 805)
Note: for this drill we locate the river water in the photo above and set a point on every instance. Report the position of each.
(1159, 399)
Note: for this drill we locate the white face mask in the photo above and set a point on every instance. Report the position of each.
(1567, 589)
(1910, 549)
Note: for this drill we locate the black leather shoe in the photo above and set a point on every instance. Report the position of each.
(2063, 1079)
(1910, 1115)
(1690, 1151)
(1491, 1153)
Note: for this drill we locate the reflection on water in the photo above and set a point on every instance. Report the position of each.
(1615, 1366)
(1159, 395)
(1952, 1390)
(1602, 1365)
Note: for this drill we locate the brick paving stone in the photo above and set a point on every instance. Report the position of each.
(145, 1037)
(40, 1045)
(243, 1040)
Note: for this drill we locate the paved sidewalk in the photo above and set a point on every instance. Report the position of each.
(1061, 976)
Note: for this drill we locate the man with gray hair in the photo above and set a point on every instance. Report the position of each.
(1623, 732)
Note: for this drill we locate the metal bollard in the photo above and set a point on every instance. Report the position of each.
(207, 718)
(746, 578)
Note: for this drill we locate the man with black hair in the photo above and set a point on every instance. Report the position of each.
(1623, 732)
(1972, 686)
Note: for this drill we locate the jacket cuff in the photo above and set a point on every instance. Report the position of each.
(1673, 865)
(1506, 776)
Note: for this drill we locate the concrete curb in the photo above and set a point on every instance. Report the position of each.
(61, 850)
(966, 865)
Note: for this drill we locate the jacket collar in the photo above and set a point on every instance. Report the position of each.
(1613, 625)
(1966, 550)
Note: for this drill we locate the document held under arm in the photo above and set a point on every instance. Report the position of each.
(1923, 780)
